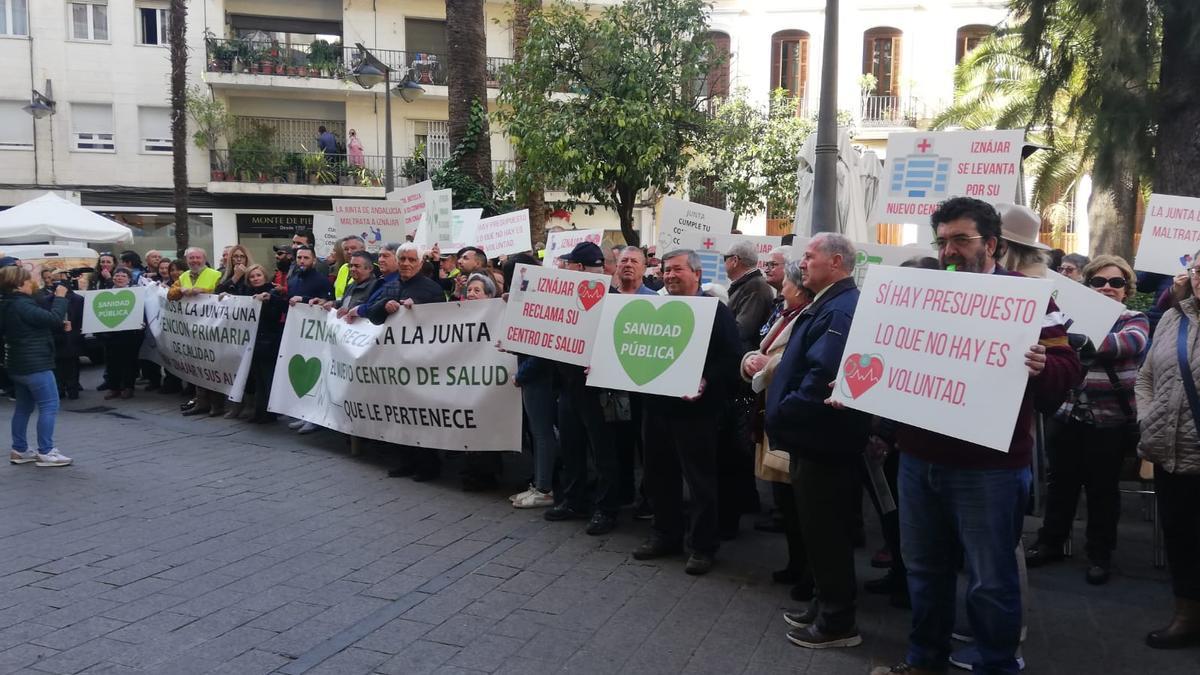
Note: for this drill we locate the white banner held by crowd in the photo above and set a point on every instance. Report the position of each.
(553, 313)
(504, 234)
(1170, 235)
(1091, 313)
(208, 340)
(652, 344)
(681, 217)
(712, 247)
(944, 351)
(925, 168)
(429, 376)
(561, 243)
(113, 310)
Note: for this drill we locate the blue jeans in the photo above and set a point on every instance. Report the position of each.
(943, 510)
(38, 388)
(541, 409)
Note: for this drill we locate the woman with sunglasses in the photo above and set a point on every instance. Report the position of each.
(1094, 431)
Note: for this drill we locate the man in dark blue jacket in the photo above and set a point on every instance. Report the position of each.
(680, 435)
(307, 282)
(824, 442)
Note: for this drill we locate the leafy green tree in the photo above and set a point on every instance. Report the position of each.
(607, 106)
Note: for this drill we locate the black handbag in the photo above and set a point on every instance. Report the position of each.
(1130, 431)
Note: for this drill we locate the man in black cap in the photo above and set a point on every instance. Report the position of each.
(583, 429)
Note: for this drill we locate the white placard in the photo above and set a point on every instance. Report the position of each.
(325, 231)
(924, 168)
(553, 313)
(655, 344)
(870, 254)
(429, 376)
(154, 298)
(1170, 235)
(943, 351)
(681, 217)
(504, 234)
(208, 340)
(1091, 312)
(561, 243)
(712, 247)
(379, 222)
(113, 310)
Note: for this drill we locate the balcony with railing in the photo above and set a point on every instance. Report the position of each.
(322, 65)
(891, 111)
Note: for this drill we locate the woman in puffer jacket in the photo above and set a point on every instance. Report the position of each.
(1169, 415)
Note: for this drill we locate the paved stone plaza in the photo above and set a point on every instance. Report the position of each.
(179, 545)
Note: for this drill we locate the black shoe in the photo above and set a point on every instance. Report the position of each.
(1040, 554)
(785, 576)
(814, 638)
(564, 512)
(802, 592)
(601, 523)
(886, 585)
(642, 510)
(699, 563)
(196, 411)
(1098, 572)
(655, 548)
(188, 406)
(803, 618)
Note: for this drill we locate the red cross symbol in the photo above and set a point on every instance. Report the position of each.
(924, 145)
(708, 243)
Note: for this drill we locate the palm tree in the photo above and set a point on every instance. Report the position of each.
(1177, 154)
(177, 38)
(467, 73)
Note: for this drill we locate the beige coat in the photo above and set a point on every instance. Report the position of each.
(773, 350)
(1168, 430)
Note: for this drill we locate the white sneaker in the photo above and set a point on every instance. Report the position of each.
(52, 458)
(534, 499)
(307, 428)
(513, 498)
(296, 424)
(963, 658)
(18, 457)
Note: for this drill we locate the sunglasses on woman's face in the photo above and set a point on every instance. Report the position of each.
(1101, 282)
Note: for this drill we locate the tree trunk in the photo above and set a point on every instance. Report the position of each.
(625, 199)
(467, 73)
(177, 37)
(535, 196)
(1177, 157)
(1112, 212)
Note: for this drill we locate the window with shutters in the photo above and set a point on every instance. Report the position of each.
(89, 20)
(154, 130)
(881, 58)
(14, 17)
(716, 83)
(92, 127)
(153, 19)
(16, 126)
(968, 39)
(789, 62)
(434, 136)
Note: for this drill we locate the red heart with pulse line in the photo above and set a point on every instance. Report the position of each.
(862, 371)
(591, 292)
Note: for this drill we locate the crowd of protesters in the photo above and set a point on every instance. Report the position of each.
(762, 411)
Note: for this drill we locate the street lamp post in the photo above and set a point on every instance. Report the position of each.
(369, 72)
(824, 207)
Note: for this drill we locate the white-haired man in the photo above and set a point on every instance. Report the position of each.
(197, 280)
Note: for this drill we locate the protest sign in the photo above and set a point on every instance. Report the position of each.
(504, 234)
(924, 169)
(681, 217)
(1091, 313)
(113, 310)
(379, 222)
(325, 231)
(561, 243)
(867, 255)
(1170, 235)
(437, 224)
(712, 247)
(208, 340)
(429, 376)
(553, 313)
(153, 297)
(652, 344)
(943, 351)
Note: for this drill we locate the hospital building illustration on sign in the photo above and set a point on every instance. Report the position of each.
(920, 175)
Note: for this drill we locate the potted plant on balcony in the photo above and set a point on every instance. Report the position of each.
(415, 168)
(293, 166)
(316, 167)
(211, 121)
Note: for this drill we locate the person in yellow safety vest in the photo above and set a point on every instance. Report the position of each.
(349, 246)
(198, 279)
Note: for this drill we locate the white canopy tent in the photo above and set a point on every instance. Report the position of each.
(857, 186)
(52, 218)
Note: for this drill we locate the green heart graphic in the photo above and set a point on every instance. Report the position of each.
(649, 340)
(113, 307)
(304, 373)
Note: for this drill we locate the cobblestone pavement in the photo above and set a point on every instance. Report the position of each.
(180, 545)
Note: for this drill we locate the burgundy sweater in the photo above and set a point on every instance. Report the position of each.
(1043, 393)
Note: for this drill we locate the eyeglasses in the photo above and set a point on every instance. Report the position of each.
(958, 240)
(771, 265)
(727, 257)
(1101, 282)
(1194, 272)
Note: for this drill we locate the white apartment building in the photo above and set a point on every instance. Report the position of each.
(279, 66)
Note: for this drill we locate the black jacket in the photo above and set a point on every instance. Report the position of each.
(419, 288)
(66, 345)
(309, 284)
(29, 332)
(720, 375)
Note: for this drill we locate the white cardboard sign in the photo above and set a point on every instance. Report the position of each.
(561, 243)
(1091, 313)
(943, 351)
(681, 217)
(504, 234)
(655, 344)
(325, 231)
(925, 168)
(553, 313)
(113, 310)
(1170, 235)
(711, 249)
(376, 221)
